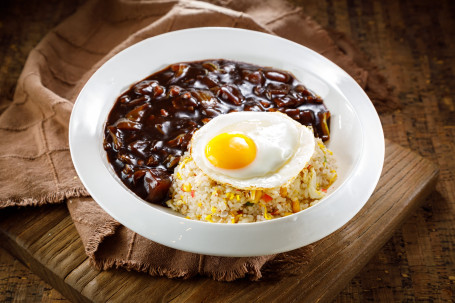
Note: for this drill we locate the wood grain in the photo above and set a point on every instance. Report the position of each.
(47, 240)
(16, 281)
(412, 44)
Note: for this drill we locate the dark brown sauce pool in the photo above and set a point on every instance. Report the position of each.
(151, 124)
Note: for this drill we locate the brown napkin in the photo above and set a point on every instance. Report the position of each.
(110, 244)
(35, 163)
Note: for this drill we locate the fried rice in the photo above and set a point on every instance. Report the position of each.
(199, 197)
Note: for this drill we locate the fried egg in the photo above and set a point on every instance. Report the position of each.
(252, 150)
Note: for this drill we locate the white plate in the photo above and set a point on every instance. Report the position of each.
(356, 139)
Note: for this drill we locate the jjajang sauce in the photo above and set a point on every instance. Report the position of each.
(151, 124)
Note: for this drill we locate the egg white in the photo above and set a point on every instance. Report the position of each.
(283, 145)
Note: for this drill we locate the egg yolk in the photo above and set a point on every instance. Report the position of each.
(230, 150)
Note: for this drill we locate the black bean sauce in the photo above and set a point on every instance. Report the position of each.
(151, 124)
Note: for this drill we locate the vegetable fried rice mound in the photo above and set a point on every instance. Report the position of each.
(199, 197)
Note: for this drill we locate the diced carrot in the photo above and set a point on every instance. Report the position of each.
(266, 198)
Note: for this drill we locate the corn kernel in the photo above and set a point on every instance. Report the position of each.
(333, 177)
(187, 187)
(295, 205)
(209, 218)
(283, 192)
(255, 195)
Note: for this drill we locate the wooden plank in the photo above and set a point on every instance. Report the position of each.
(47, 241)
(17, 284)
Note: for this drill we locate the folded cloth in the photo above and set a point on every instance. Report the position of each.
(110, 244)
(35, 163)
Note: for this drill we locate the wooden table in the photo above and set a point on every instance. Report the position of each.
(412, 43)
